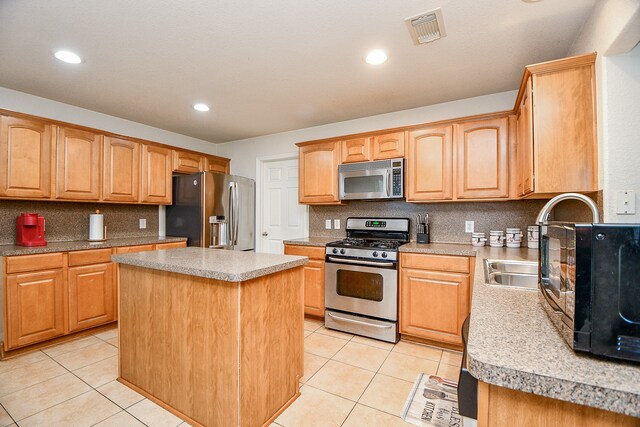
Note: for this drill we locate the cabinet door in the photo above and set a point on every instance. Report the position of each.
(356, 150)
(482, 152)
(185, 162)
(35, 307)
(216, 164)
(25, 158)
(433, 305)
(171, 245)
(564, 131)
(388, 146)
(92, 295)
(156, 175)
(318, 182)
(430, 164)
(78, 165)
(131, 249)
(314, 288)
(121, 181)
(525, 143)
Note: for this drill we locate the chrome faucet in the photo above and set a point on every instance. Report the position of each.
(543, 216)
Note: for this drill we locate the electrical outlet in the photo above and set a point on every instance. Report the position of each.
(625, 202)
(143, 223)
(468, 226)
(336, 224)
(327, 224)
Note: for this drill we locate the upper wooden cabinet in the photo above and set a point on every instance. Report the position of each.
(156, 174)
(558, 136)
(318, 181)
(121, 171)
(356, 150)
(482, 150)
(388, 146)
(77, 164)
(430, 164)
(186, 162)
(216, 164)
(25, 158)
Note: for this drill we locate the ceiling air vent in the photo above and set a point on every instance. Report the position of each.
(426, 27)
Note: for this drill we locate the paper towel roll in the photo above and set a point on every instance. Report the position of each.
(96, 226)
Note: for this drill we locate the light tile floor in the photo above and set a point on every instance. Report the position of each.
(349, 381)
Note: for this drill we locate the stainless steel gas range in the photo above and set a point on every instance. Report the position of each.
(361, 278)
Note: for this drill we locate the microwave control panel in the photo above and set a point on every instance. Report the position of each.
(397, 182)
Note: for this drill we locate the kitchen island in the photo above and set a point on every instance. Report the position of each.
(214, 336)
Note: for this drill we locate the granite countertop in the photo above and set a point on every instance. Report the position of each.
(229, 266)
(513, 344)
(78, 245)
(311, 241)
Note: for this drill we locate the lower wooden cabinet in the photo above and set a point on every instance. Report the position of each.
(435, 296)
(34, 307)
(313, 277)
(171, 245)
(92, 295)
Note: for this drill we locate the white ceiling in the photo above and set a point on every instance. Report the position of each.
(271, 66)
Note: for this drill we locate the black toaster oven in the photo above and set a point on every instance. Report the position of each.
(590, 286)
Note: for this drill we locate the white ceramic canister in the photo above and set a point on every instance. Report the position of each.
(478, 239)
(533, 236)
(496, 238)
(514, 237)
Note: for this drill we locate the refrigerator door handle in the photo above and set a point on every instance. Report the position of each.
(235, 208)
(231, 216)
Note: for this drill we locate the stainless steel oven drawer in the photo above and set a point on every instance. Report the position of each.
(360, 325)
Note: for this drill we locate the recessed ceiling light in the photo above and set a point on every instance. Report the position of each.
(376, 57)
(531, 1)
(201, 107)
(68, 57)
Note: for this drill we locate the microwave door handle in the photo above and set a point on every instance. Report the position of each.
(388, 182)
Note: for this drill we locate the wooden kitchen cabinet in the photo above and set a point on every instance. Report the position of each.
(313, 277)
(356, 150)
(186, 162)
(216, 164)
(35, 308)
(430, 164)
(77, 164)
(121, 170)
(482, 150)
(156, 175)
(132, 249)
(557, 127)
(318, 173)
(170, 245)
(92, 295)
(388, 146)
(435, 296)
(25, 157)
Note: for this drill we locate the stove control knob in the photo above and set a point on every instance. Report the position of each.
(384, 254)
(375, 254)
(342, 251)
(335, 251)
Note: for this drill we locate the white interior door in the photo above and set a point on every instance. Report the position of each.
(282, 217)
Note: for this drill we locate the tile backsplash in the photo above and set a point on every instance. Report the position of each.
(447, 220)
(70, 221)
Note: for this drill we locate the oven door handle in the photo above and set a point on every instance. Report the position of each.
(369, 263)
(333, 316)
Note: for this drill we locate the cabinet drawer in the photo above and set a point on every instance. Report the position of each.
(92, 256)
(171, 245)
(130, 249)
(313, 252)
(458, 264)
(18, 264)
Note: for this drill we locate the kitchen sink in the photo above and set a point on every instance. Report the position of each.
(511, 274)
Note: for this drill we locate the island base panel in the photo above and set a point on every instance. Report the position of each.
(500, 406)
(210, 350)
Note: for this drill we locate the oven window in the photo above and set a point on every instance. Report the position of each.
(358, 284)
(364, 184)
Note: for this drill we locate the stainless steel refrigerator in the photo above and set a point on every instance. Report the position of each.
(213, 210)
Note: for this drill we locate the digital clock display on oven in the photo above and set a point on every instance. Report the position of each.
(376, 224)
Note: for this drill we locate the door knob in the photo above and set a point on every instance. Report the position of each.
(265, 234)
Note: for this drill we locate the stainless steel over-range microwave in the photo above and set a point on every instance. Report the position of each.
(382, 179)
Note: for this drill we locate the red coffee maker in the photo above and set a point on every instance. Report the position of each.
(30, 230)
